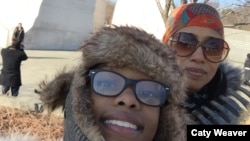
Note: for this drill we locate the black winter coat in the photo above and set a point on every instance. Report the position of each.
(18, 34)
(11, 61)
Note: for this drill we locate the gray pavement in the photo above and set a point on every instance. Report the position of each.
(39, 66)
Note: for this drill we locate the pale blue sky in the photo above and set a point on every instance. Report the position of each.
(222, 3)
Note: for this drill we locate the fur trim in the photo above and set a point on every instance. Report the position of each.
(233, 75)
(54, 93)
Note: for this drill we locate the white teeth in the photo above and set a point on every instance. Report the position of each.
(121, 123)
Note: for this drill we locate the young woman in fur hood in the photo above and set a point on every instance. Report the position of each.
(127, 87)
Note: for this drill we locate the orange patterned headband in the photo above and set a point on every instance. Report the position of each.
(195, 14)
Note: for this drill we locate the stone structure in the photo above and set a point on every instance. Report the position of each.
(51, 24)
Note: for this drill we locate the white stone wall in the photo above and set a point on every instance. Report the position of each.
(50, 24)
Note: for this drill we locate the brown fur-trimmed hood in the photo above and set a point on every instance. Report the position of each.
(119, 47)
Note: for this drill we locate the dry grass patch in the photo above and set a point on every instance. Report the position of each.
(44, 127)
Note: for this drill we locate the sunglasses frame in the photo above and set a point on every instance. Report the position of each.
(199, 44)
(129, 82)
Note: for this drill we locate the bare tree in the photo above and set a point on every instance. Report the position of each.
(232, 17)
(162, 11)
(237, 16)
(169, 4)
(184, 1)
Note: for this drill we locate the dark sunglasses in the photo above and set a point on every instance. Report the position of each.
(214, 49)
(109, 83)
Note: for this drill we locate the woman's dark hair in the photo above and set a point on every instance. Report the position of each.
(248, 55)
(16, 44)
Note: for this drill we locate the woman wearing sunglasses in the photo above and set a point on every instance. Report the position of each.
(126, 88)
(195, 32)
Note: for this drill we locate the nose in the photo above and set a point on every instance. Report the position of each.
(127, 98)
(198, 55)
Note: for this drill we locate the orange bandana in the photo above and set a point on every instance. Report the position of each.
(194, 14)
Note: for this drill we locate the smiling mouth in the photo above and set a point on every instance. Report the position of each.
(121, 124)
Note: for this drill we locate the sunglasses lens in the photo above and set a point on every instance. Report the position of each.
(151, 93)
(184, 44)
(107, 83)
(215, 49)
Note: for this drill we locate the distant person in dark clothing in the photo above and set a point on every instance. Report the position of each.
(247, 69)
(12, 57)
(18, 35)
